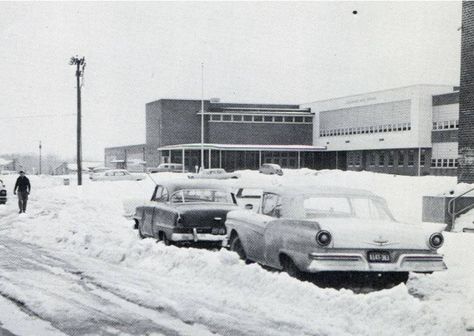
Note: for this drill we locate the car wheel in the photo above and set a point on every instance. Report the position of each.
(290, 267)
(140, 233)
(165, 239)
(236, 246)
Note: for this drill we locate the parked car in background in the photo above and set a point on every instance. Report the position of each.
(167, 167)
(314, 229)
(214, 173)
(99, 169)
(270, 169)
(3, 193)
(186, 212)
(116, 175)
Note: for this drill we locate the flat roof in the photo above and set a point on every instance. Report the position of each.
(242, 147)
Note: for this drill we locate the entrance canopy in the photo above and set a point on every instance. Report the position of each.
(233, 147)
(237, 156)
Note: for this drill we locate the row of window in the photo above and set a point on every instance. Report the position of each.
(367, 129)
(446, 124)
(260, 118)
(382, 159)
(444, 163)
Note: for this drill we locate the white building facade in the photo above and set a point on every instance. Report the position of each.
(410, 130)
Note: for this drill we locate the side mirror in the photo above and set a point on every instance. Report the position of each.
(248, 206)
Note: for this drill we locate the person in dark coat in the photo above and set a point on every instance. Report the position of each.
(23, 187)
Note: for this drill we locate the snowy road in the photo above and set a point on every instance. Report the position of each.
(74, 266)
(73, 300)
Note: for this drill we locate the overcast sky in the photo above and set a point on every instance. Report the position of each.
(253, 52)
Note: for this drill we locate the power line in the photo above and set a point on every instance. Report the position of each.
(39, 116)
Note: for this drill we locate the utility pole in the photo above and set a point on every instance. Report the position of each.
(202, 116)
(40, 157)
(80, 64)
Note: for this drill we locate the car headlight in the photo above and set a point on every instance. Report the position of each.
(436, 240)
(323, 238)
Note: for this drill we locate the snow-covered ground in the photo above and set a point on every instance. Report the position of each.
(74, 265)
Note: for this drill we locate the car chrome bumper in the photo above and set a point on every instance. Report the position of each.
(358, 262)
(197, 237)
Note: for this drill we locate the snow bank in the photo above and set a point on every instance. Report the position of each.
(218, 290)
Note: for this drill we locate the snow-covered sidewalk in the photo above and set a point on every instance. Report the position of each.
(78, 250)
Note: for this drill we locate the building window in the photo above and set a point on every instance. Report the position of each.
(258, 118)
(381, 159)
(289, 119)
(411, 159)
(226, 117)
(357, 159)
(350, 159)
(422, 158)
(390, 159)
(372, 159)
(216, 117)
(278, 119)
(401, 159)
(237, 117)
(298, 119)
(308, 119)
(433, 163)
(268, 119)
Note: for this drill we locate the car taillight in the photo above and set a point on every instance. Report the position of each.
(323, 238)
(436, 240)
(218, 231)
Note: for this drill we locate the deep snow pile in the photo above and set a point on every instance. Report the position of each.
(217, 289)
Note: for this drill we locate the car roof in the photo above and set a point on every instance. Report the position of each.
(326, 190)
(274, 165)
(174, 185)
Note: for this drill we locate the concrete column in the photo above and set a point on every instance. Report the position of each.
(299, 160)
(182, 156)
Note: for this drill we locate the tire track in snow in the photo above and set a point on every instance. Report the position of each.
(89, 309)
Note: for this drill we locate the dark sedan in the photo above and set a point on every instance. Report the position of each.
(186, 213)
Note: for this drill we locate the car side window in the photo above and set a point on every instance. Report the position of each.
(158, 193)
(164, 195)
(271, 205)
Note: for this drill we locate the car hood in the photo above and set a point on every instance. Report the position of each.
(363, 233)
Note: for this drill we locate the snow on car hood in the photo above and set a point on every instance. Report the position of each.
(366, 233)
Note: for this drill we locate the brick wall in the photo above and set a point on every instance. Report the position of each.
(466, 96)
(260, 133)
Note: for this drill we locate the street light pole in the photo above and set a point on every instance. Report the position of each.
(80, 64)
(40, 157)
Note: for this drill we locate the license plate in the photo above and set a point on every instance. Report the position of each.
(378, 256)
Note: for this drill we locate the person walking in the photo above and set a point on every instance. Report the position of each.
(24, 187)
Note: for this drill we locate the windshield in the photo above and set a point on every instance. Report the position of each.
(345, 206)
(201, 195)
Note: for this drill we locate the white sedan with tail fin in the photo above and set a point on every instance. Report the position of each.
(315, 229)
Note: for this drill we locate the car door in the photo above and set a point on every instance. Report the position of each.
(255, 242)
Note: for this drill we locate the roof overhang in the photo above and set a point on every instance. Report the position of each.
(237, 147)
